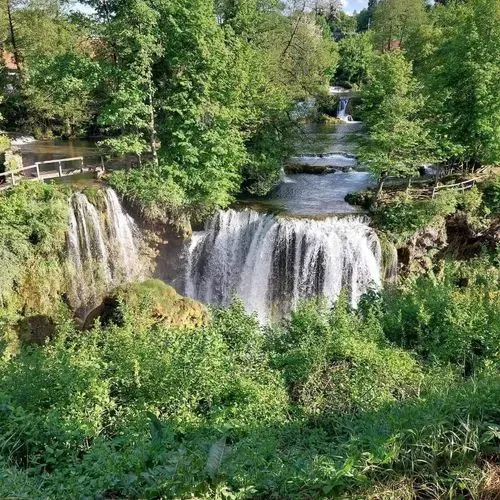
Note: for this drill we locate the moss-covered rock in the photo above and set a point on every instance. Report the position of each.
(151, 301)
(362, 199)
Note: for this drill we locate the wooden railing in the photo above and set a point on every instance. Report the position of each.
(459, 186)
(39, 176)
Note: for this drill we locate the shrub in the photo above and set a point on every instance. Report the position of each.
(33, 223)
(491, 195)
(337, 362)
(402, 216)
(333, 402)
(454, 319)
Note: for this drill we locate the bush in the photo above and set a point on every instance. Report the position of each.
(33, 223)
(153, 191)
(491, 195)
(455, 319)
(398, 396)
(402, 216)
(338, 362)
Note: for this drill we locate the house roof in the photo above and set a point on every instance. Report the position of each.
(9, 61)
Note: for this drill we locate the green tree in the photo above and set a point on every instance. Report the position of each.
(355, 53)
(59, 93)
(365, 17)
(462, 81)
(397, 140)
(396, 20)
(129, 115)
(342, 24)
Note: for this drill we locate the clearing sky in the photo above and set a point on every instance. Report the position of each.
(354, 5)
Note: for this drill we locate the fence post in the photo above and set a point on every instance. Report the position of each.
(12, 179)
(37, 166)
(60, 168)
(82, 163)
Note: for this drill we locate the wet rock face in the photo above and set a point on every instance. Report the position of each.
(152, 302)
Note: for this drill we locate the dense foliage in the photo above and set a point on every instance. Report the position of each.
(325, 404)
(431, 91)
(397, 399)
(33, 223)
(201, 91)
(401, 215)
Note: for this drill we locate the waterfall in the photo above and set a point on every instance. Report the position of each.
(102, 249)
(272, 263)
(342, 110)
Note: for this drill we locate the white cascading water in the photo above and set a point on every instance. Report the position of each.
(342, 110)
(272, 263)
(102, 249)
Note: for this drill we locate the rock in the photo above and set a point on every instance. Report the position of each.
(420, 247)
(466, 241)
(152, 301)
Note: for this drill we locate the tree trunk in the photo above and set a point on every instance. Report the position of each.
(13, 37)
(152, 125)
(294, 32)
(380, 186)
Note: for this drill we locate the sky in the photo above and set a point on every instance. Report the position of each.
(349, 6)
(354, 5)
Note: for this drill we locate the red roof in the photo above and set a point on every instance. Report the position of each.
(9, 60)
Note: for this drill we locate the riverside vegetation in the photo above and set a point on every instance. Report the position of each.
(157, 396)
(396, 399)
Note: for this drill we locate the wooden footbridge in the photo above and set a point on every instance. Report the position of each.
(47, 170)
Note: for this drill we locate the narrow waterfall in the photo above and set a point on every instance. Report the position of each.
(342, 110)
(271, 262)
(102, 249)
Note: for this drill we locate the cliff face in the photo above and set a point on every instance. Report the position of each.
(419, 250)
(454, 237)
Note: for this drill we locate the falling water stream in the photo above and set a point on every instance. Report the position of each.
(342, 110)
(301, 241)
(102, 249)
(272, 262)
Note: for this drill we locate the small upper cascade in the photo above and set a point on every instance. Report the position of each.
(342, 110)
(19, 140)
(336, 89)
(102, 249)
(272, 263)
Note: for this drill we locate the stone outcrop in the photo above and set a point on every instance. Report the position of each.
(419, 249)
(453, 236)
(151, 301)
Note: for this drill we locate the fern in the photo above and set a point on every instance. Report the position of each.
(215, 456)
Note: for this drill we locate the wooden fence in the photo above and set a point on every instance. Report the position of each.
(13, 176)
(459, 186)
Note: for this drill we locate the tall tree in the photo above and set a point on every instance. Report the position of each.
(462, 80)
(397, 141)
(395, 20)
(356, 52)
(133, 36)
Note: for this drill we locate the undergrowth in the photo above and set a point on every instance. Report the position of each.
(398, 399)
